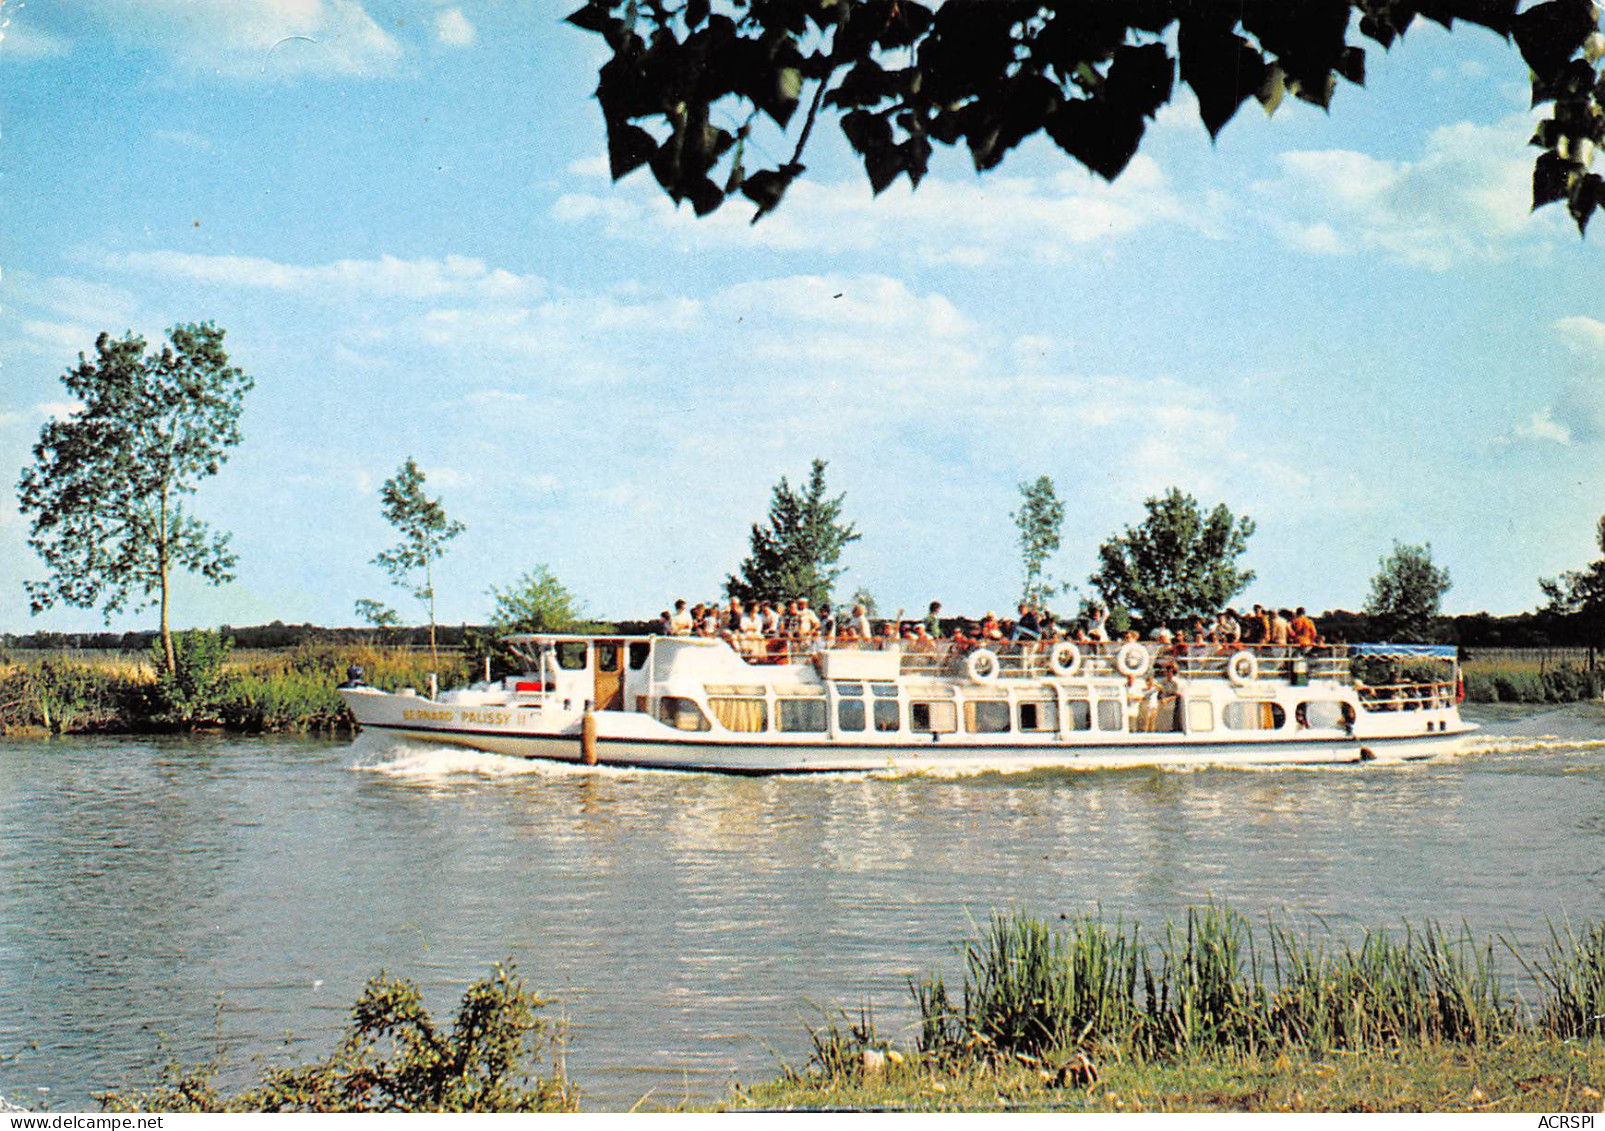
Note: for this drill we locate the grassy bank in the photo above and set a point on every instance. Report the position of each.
(1506, 682)
(1212, 1014)
(1209, 1015)
(248, 692)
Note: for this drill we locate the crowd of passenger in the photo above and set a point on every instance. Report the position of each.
(769, 628)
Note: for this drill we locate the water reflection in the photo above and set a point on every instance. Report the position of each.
(687, 922)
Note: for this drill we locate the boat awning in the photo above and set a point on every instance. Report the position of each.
(1406, 651)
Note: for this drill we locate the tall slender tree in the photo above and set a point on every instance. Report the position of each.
(1040, 520)
(424, 529)
(107, 487)
(795, 555)
(1580, 593)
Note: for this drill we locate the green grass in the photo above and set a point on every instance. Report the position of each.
(289, 690)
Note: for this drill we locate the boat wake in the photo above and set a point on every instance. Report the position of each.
(415, 760)
(1510, 744)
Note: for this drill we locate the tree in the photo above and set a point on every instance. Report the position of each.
(108, 482)
(1580, 593)
(1406, 593)
(796, 554)
(1040, 518)
(1179, 562)
(424, 529)
(989, 74)
(536, 602)
(377, 613)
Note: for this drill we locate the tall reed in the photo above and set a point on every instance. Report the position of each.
(1573, 970)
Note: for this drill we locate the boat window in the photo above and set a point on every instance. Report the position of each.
(850, 714)
(1322, 714)
(884, 690)
(1200, 715)
(1040, 714)
(849, 689)
(572, 654)
(1080, 714)
(640, 652)
(800, 714)
(932, 718)
(607, 657)
(886, 715)
(740, 714)
(1111, 716)
(986, 716)
(1253, 715)
(681, 713)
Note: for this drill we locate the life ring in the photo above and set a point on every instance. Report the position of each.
(1065, 659)
(1242, 668)
(982, 665)
(1132, 659)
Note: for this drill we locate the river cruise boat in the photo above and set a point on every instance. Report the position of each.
(772, 707)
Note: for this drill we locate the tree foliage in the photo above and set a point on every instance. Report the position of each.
(688, 84)
(1580, 593)
(536, 602)
(424, 529)
(1406, 593)
(795, 555)
(107, 486)
(1178, 562)
(1040, 520)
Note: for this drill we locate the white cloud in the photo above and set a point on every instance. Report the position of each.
(971, 223)
(455, 275)
(1542, 427)
(20, 41)
(1466, 198)
(255, 37)
(454, 29)
(1584, 335)
(58, 409)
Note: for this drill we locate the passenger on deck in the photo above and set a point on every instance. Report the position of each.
(827, 622)
(933, 620)
(1028, 627)
(990, 628)
(769, 619)
(665, 624)
(680, 624)
(861, 626)
(1098, 627)
(807, 620)
(1303, 630)
(1281, 628)
(731, 628)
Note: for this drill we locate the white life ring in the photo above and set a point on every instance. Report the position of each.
(982, 665)
(1065, 659)
(1242, 668)
(1132, 659)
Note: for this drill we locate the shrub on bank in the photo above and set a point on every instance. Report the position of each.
(1564, 683)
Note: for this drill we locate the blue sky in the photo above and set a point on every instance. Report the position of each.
(1347, 326)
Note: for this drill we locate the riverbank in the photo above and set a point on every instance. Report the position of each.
(1086, 1014)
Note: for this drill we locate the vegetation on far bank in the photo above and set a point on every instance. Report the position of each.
(1086, 1013)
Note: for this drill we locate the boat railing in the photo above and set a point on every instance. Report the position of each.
(1031, 659)
(1407, 696)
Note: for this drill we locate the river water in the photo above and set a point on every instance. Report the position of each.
(163, 898)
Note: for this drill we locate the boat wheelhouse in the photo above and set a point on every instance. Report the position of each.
(762, 707)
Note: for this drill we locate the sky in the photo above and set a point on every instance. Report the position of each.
(1347, 325)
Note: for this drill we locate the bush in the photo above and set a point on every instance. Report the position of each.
(395, 1059)
(194, 692)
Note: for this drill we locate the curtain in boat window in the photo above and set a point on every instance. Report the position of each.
(740, 714)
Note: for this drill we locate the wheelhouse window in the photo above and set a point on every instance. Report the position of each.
(986, 716)
(1111, 715)
(640, 653)
(1079, 712)
(1253, 715)
(681, 713)
(1039, 715)
(850, 714)
(801, 715)
(1323, 714)
(887, 716)
(740, 714)
(932, 718)
(884, 690)
(572, 655)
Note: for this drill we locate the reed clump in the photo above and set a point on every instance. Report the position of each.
(1208, 985)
